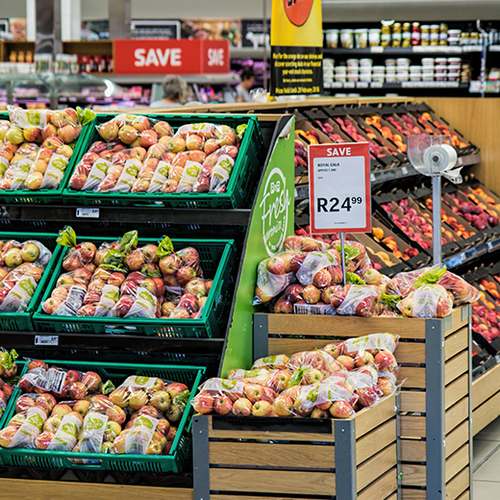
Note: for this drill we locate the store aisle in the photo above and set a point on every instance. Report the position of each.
(486, 462)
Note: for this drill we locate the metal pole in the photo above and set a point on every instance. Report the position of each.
(436, 219)
(484, 43)
(264, 48)
(342, 255)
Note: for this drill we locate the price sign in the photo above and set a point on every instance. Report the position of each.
(339, 188)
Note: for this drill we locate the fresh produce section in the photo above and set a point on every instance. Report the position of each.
(68, 413)
(10, 369)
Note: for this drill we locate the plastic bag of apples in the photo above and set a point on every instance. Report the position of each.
(336, 381)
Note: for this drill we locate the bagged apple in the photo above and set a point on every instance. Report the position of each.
(324, 364)
(109, 297)
(140, 437)
(160, 175)
(147, 171)
(8, 367)
(15, 254)
(95, 426)
(402, 283)
(463, 292)
(78, 255)
(145, 305)
(279, 362)
(26, 434)
(66, 436)
(321, 269)
(356, 300)
(304, 244)
(272, 277)
(17, 298)
(239, 373)
(358, 345)
(427, 301)
(134, 130)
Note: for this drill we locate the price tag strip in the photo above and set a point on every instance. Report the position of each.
(339, 188)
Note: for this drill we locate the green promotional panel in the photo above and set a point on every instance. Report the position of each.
(272, 221)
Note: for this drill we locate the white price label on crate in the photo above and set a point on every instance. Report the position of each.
(339, 188)
(46, 340)
(377, 50)
(87, 213)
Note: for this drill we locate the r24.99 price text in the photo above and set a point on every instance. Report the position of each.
(332, 204)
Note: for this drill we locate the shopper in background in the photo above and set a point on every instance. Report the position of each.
(247, 82)
(174, 89)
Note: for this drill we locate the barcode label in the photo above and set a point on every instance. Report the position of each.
(88, 213)
(46, 340)
(312, 309)
(52, 381)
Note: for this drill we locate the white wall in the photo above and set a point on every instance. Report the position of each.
(12, 8)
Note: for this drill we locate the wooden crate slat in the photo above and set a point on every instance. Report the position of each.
(411, 494)
(375, 441)
(457, 485)
(464, 496)
(456, 438)
(412, 426)
(272, 481)
(285, 436)
(291, 346)
(22, 489)
(413, 475)
(456, 390)
(413, 450)
(380, 487)
(372, 417)
(272, 455)
(459, 319)
(348, 326)
(370, 470)
(413, 401)
(485, 386)
(458, 461)
(456, 366)
(410, 352)
(414, 378)
(456, 414)
(456, 343)
(274, 497)
(486, 413)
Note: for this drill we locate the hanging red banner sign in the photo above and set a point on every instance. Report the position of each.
(162, 57)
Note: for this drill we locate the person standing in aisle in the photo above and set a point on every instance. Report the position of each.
(174, 89)
(244, 87)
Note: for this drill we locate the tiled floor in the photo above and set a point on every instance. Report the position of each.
(486, 463)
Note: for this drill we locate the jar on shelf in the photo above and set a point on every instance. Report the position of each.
(434, 34)
(385, 34)
(406, 35)
(474, 38)
(347, 38)
(415, 34)
(396, 35)
(332, 38)
(374, 37)
(361, 36)
(425, 35)
(13, 56)
(464, 38)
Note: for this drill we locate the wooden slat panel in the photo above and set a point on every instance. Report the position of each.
(350, 326)
(410, 352)
(414, 378)
(456, 390)
(413, 401)
(23, 489)
(392, 497)
(368, 419)
(291, 346)
(456, 343)
(413, 475)
(486, 413)
(457, 485)
(274, 497)
(458, 461)
(412, 426)
(373, 468)
(411, 494)
(464, 496)
(485, 386)
(413, 450)
(272, 481)
(272, 455)
(381, 488)
(456, 438)
(456, 320)
(456, 366)
(375, 441)
(456, 414)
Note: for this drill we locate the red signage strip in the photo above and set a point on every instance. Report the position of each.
(339, 188)
(162, 57)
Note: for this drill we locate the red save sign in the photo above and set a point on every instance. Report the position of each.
(161, 57)
(340, 188)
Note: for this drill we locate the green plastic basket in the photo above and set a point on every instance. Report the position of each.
(240, 189)
(175, 461)
(21, 370)
(45, 195)
(21, 321)
(216, 260)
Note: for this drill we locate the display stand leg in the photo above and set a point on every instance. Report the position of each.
(436, 219)
(471, 427)
(201, 469)
(342, 255)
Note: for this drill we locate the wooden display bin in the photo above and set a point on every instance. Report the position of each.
(485, 399)
(436, 407)
(297, 458)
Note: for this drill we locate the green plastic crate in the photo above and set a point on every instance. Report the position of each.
(175, 461)
(216, 260)
(21, 370)
(21, 321)
(45, 195)
(240, 189)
